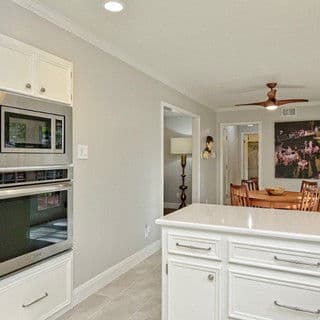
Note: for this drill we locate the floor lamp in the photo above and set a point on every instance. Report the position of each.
(182, 147)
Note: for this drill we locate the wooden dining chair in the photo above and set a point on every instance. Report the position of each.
(239, 195)
(308, 184)
(310, 199)
(252, 184)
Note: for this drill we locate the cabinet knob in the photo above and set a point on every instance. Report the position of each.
(28, 86)
(210, 277)
(43, 90)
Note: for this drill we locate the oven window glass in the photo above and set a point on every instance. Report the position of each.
(31, 223)
(25, 131)
(59, 134)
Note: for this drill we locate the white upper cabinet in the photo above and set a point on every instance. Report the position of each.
(55, 76)
(30, 71)
(17, 64)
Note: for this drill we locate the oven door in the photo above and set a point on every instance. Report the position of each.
(35, 223)
(26, 131)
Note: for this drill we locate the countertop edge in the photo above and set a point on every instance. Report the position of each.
(237, 230)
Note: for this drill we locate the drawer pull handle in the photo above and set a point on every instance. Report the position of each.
(315, 264)
(192, 247)
(296, 308)
(35, 301)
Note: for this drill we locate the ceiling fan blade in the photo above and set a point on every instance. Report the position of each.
(286, 101)
(262, 103)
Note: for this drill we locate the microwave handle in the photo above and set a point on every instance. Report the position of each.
(32, 190)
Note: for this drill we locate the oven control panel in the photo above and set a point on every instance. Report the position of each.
(14, 178)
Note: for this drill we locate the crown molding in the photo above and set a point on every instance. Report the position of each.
(235, 109)
(68, 25)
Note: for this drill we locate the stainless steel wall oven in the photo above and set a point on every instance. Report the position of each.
(36, 176)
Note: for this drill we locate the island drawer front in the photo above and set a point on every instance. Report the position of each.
(194, 246)
(274, 256)
(37, 295)
(259, 297)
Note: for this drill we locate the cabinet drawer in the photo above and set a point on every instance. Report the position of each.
(262, 297)
(201, 247)
(39, 294)
(274, 257)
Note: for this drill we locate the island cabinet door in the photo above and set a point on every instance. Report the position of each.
(192, 292)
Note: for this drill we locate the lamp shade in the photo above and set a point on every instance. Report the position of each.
(181, 145)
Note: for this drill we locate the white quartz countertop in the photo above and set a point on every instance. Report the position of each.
(268, 222)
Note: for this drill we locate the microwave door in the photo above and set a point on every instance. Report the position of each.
(25, 131)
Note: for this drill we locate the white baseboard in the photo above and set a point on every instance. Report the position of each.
(101, 280)
(171, 205)
(104, 278)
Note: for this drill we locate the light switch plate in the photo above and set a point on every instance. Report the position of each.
(83, 152)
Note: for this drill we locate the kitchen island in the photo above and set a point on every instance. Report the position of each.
(223, 262)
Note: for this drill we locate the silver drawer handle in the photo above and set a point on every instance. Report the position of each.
(192, 247)
(35, 301)
(315, 264)
(296, 308)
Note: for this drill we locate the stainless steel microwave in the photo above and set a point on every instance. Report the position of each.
(34, 132)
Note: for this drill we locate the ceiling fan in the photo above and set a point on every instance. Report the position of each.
(272, 103)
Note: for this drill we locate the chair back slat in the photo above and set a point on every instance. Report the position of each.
(252, 184)
(310, 199)
(308, 184)
(239, 195)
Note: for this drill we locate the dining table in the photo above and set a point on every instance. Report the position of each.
(290, 200)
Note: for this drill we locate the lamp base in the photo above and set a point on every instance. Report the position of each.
(183, 187)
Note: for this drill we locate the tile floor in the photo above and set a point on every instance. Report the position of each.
(136, 295)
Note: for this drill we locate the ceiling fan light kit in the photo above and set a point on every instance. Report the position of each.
(272, 107)
(272, 103)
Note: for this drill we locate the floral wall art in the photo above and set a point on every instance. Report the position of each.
(297, 149)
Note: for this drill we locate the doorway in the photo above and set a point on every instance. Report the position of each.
(240, 155)
(177, 123)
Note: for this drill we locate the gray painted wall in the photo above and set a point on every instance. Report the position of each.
(117, 113)
(174, 127)
(268, 118)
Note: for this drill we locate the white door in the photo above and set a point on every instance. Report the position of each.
(55, 78)
(17, 63)
(192, 292)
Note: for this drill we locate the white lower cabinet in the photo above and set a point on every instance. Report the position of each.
(268, 296)
(39, 292)
(193, 291)
(240, 277)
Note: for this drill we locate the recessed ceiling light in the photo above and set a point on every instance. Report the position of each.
(113, 6)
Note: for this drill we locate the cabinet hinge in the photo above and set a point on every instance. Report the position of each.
(167, 268)
(71, 75)
(71, 96)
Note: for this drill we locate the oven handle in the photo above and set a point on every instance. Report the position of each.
(32, 190)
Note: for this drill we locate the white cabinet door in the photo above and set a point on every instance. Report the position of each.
(193, 291)
(54, 78)
(17, 63)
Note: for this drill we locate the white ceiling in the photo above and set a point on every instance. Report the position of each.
(216, 52)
